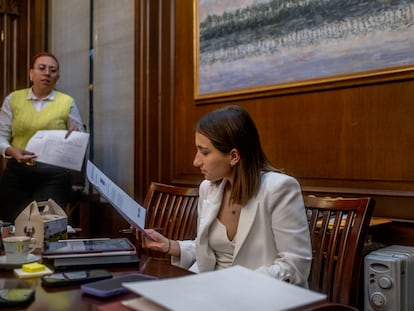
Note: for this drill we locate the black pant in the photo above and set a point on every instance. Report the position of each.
(22, 184)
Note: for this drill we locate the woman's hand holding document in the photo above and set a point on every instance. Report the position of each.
(55, 147)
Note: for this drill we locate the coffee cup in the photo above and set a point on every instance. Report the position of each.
(18, 248)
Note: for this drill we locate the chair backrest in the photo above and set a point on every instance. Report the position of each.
(172, 208)
(338, 228)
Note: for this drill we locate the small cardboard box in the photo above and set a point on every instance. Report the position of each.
(45, 221)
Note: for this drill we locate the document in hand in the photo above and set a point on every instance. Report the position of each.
(53, 148)
(129, 209)
(234, 288)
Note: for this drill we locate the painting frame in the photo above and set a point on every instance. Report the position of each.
(384, 73)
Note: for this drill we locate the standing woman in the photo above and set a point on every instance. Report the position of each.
(249, 213)
(22, 114)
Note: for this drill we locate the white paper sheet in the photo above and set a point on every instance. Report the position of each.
(52, 148)
(129, 209)
(142, 304)
(236, 288)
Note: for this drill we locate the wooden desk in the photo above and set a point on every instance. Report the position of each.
(72, 298)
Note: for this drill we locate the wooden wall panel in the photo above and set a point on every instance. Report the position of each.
(363, 133)
(349, 140)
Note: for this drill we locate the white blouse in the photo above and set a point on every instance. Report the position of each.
(223, 248)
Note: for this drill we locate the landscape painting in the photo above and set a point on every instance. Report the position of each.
(249, 44)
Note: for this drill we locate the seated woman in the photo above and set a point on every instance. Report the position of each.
(249, 213)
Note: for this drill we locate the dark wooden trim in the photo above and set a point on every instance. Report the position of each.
(140, 94)
(337, 82)
(38, 21)
(10, 7)
(154, 97)
(359, 191)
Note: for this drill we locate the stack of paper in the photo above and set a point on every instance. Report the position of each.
(234, 288)
(53, 147)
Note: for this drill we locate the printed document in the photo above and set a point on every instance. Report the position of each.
(129, 209)
(234, 288)
(53, 148)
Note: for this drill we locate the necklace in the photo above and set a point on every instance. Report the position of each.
(232, 208)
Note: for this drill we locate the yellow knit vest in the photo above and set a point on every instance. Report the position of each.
(27, 120)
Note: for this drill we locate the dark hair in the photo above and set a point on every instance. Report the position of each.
(232, 127)
(40, 54)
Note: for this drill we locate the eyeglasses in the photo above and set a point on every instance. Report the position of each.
(44, 68)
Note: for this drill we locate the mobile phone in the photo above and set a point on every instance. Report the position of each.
(113, 287)
(15, 297)
(74, 277)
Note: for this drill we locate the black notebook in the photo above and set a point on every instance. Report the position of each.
(94, 261)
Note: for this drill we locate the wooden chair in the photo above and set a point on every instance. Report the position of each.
(338, 228)
(172, 208)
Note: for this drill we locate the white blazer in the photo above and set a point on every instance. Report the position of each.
(272, 235)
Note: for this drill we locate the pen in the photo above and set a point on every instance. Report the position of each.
(125, 231)
(159, 230)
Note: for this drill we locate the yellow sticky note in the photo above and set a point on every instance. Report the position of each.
(33, 267)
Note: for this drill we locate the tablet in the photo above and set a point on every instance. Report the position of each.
(113, 287)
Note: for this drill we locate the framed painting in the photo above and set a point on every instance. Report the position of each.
(277, 46)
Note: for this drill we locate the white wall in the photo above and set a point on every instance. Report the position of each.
(68, 35)
(113, 70)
